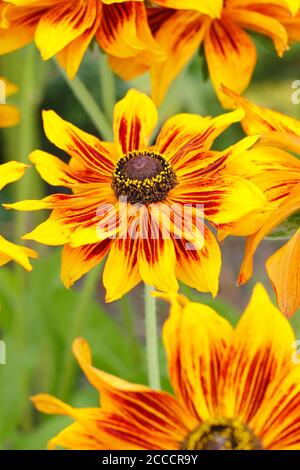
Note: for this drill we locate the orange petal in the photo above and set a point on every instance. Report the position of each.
(9, 115)
(284, 271)
(135, 117)
(195, 354)
(260, 353)
(231, 57)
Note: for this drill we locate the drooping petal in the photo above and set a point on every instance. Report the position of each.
(260, 352)
(78, 261)
(119, 281)
(135, 117)
(288, 207)
(199, 268)
(93, 154)
(284, 271)
(10, 172)
(230, 55)
(195, 354)
(180, 34)
(21, 254)
(187, 136)
(155, 415)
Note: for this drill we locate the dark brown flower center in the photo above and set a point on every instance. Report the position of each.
(143, 177)
(222, 434)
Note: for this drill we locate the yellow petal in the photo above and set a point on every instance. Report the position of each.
(10, 172)
(212, 8)
(9, 115)
(21, 254)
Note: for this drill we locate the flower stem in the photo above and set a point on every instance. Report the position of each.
(88, 103)
(87, 292)
(151, 339)
(108, 89)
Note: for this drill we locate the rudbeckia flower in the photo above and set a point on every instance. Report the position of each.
(143, 204)
(66, 28)
(233, 389)
(9, 114)
(184, 26)
(277, 173)
(10, 172)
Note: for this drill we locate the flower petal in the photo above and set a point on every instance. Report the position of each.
(179, 35)
(284, 271)
(78, 261)
(9, 115)
(293, 5)
(196, 341)
(260, 352)
(21, 254)
(135, 117)
(231, 57)
(10, 172)
(212, 8)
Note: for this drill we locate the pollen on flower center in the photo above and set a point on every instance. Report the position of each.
(222, 434)
(143, 177)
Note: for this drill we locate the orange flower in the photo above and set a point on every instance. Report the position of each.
(66, 28)
(10, 172)
(9, 115)
(277, 173)
(234, 389)
(182, 27)
(157, 234)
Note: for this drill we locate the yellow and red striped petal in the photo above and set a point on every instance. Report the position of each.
(118, 282)
(135, 117)
(284, 271)
(186, 136)
(288, 207)
(292, 5)
(179, 35)
(260, 352)
(78, 261)
(10, 172)
(212, 8)
(196, 341)
(9, 115)
(155, 416)
(124, 32)
(95, 155)
(17, 26)
(199, 268)
(230, 55)
(21, 254)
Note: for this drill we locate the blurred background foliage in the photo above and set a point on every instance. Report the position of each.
(39, 318)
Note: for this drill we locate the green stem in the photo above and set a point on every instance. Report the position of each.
(88, 103)
(82, 309)
(151, 339)
(108, 89)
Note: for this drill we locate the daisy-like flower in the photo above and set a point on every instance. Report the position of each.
(277, 173)
(182, 27)
(10, 172)
(143, 204)
(9, 114)
(233, 389)
(66, 28)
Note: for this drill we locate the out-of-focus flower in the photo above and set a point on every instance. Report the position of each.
(9, 114)
(277, 173)
(66, 28)
(10, 172)
(157, 234)
(234, 389)
(182, 27)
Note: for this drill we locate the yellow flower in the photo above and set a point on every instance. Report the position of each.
(143, 204)
(9, 115)
(10, 172)
(277, 173)
(66, 28)
(182, 27)
(233, 389)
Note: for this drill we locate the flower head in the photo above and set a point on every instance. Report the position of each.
(67, 27)
(143, 204)
(233, 389)
(182, 27)
(10, 172)
(277, 173)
